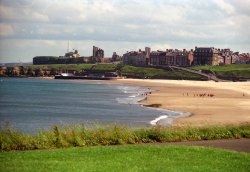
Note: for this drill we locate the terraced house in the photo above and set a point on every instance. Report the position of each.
(137, 58)
(213, 56)
(207, 56)
(171, 57)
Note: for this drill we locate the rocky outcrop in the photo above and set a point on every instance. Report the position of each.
(21, 71)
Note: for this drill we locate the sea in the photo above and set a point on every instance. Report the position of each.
(31, 104)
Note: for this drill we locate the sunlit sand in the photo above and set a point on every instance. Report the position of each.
(229, 103)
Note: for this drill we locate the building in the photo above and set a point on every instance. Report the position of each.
(158, 58)
(213, 56)
(39, 60)
(243, 58)
(98, 52)
(235, 57)
(229, 57)
(137, 58)
(71, 58)
(171, 57)
(226, 54)
(97, 56)
(178, 57)
(3, 71)
(74, 54)
(116, 57)
(207, 56)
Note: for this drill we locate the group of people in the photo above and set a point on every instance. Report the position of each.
(200, 95)
(205, 95)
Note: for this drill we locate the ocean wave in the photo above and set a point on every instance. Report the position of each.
(132, 94)
(130, 100)
(156, 120)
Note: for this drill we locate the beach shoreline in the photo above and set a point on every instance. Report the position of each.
(208, 102)
(203, 103)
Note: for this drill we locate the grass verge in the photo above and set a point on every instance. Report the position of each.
(155, 73)
(126, 158)
(80, 136)
(234, 71)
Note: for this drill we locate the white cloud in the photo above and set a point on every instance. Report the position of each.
(6, 30)
(225, 6)
(6, 12)
(162, 46)
(241, 6)
(183, 33)
(121, 25)
(12, 14)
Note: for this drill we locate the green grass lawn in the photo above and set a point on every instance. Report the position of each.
(230, 72)
(224, 67)
(155, 73)
(75, 67)
(126, 158)
(234, 71)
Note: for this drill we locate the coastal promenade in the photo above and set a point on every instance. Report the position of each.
(211, 103)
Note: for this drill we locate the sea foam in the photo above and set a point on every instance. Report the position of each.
(133, 94)
(154, 122)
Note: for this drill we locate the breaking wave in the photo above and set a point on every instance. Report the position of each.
(132, 94)
(154, 122)
(135, 94)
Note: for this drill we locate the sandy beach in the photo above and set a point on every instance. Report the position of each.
(211, 103)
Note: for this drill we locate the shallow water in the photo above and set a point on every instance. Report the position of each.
(30, 104)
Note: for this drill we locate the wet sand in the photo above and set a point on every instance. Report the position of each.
(211, 103)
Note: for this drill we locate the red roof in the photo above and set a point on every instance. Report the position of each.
(244, 57)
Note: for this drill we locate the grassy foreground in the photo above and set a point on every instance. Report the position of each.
(80, 136)
(126, 158)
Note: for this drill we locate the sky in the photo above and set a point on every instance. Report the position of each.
(30, 28)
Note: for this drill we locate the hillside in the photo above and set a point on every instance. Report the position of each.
(234, 71)
(229, 72)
